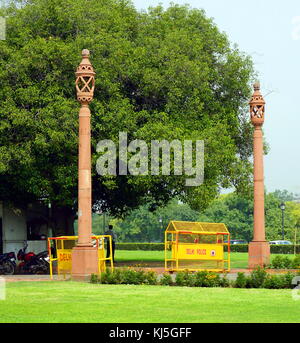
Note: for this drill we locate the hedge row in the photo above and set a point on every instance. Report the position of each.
(141, 246)
(258, 278)
(285, 262)
(275, 249)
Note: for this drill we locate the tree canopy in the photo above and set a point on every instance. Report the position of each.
(236, 212)
(161, 74)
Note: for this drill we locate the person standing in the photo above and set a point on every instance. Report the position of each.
(113, 235)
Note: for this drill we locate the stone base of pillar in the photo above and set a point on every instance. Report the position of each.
(258, 254)
(84, 262)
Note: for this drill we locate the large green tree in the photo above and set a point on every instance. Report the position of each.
(161, 74)
(143, 225)
(237, 213)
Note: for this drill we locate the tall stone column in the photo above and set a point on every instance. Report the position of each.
(84, 256)
(259, 248)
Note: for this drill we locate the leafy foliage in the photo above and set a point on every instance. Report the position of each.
(162, 74)
(146, 225)
(237, 213)
(259, 278)
(284, 262)
(241, 280)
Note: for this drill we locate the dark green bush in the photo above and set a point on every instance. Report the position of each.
(257, 277)
(94, 278)
(287, 280)
(200, 279)
(184, 278)
(273, 282)
(279, 281)
(241, 280)
(284, 249)
(151, 278)
(224, 282)
(111, 277)
(133, 277)
(123, 276)
(284, 262)
(237, 248)
(209, 279)
(141, 246)
(166, 280)
(213, 280)
(281, 262)
(287, 262)
(296, 262)
(275, 249)
(277, 262)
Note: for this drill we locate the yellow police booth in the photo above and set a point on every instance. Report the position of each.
(197, 246)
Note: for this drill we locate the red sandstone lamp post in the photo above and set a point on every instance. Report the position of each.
(259, 248)
(84, 256)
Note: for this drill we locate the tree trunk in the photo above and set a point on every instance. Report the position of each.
(62, 221)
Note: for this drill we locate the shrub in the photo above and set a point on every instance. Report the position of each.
(276, 262)
(284, 262)
(184, 278)
(151, 278)
(133, 277)
(287, 262)
(275, 249)
(257, 277)
(200, 278)
(273, 282)
(280, 262)
(237, 248)
(141, 246)
(224, 282)
(110, 277)
(241, 280)
(287, 278)
(213, 280)
(166, 280)
(106, 277)
(94, 278)
(296, 262)
(209, 279)
(284, 249)
(279, 281)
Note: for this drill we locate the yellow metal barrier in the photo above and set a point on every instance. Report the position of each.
(62, 247)
(197, 246)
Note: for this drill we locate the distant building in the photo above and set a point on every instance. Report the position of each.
(19, 225)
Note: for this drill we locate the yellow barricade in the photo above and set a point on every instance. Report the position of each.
(201, 251)
(60, 251)
(197, 246)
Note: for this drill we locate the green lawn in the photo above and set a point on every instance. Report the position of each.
(67, 301)
(156, 258)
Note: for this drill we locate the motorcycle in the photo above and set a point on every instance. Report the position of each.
(32, 263)
(8, 263)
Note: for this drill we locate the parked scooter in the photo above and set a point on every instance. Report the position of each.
(32, 263)
(8, 263)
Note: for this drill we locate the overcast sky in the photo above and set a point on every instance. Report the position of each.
(269, 31)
